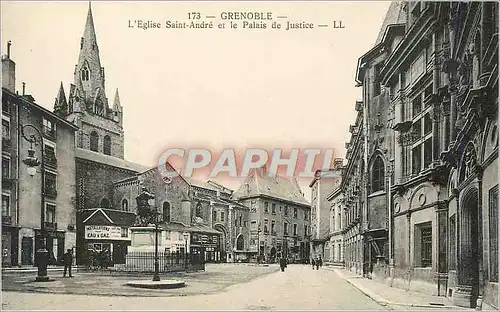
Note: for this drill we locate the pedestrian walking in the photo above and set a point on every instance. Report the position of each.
(312, 262)
(317, 263)
(320, 262)
(283, 264)
(68, 261)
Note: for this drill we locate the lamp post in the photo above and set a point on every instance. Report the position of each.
(186, 236)
(156, 277)
(32, 162)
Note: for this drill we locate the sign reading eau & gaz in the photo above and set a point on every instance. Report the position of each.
(104, 232)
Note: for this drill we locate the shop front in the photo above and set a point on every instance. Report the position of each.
(206, 245)
(108, 240)
(103, 233)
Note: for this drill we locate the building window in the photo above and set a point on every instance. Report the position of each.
(105, 203)
(265, 226)
(378, 175)
(49, 128)
(241, 220)
(222, 216)
(5, 129)
(214, 216)
(124, 232)
(166, 212)
(493, 227)
(266, 207)
(306, 215)
(305, 230)
(5, 106)
(273, 208)
(5, 205)
(49, 155)
(423, 244)
(273, 227)
(107, 145)
(198, 211)
(94, 141)
(295, 212)
(85, 74)
(50, 213)
(124, 205)
(285, 228)
(286, 210)
(240, 243)
(253, 207)
(295, 230)
(5, 167)
(50, 187)
(253, 225)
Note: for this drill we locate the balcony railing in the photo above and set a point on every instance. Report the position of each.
(6, 143)
(50, 161)
(50, 192)
(7, 181)
(6, 220)
(50, 226)
(49, 133)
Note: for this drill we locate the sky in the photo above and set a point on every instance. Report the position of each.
(212, 88)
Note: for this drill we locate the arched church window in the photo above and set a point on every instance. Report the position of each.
(107, 145)
(378, 175)
(124, 205)
(94, 141)
(85, 74)
(240, 243)
(166, 212)
(198, 211)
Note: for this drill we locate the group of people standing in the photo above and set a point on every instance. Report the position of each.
(318, 263)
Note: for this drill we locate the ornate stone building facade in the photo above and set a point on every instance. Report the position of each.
(429, 192)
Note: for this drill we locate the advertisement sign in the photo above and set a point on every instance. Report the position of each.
(106, 232)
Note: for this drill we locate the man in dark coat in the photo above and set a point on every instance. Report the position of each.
(68, 261)
(283, 264)
(312, 262)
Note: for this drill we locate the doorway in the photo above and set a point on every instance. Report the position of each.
(27, 251)
(470, 242)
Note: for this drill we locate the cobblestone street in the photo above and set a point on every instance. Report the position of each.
(230, 287)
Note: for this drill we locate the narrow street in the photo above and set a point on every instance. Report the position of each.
(298, 288)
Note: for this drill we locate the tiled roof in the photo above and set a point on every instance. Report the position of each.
(108, 160)
(261, 184)
(117, 217)
(206, 185)
(395, 15)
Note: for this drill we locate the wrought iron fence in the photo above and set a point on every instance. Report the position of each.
(144, 261)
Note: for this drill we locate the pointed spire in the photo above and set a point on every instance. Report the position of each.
(61, 104)
(89, 36)
(116, 104)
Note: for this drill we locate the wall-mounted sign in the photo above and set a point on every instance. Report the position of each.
(106, 232)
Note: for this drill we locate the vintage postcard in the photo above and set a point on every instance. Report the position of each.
(249, 155)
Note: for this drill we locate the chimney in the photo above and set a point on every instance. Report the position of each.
(24, 88)
(8, 71)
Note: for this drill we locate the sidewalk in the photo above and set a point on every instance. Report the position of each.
(31, 269)
(381, 292)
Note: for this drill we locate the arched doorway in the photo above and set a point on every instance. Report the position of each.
(222, 242)
(240, 243)
(470, 242)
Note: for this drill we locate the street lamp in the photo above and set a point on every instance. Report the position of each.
(156, 277)
(32, 162)
(186, 236)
